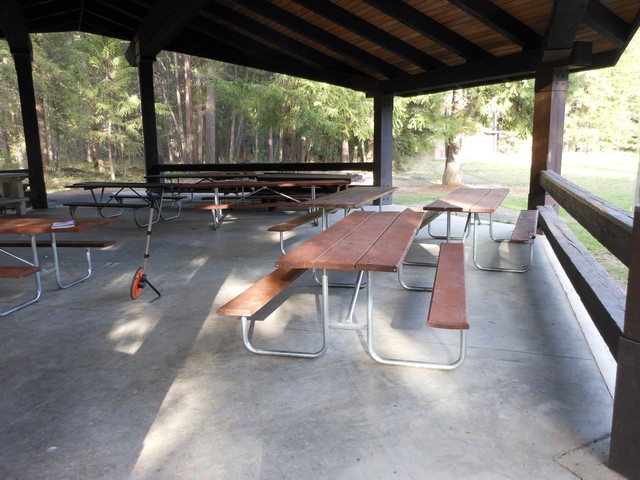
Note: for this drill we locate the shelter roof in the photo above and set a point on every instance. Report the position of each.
(377, 46)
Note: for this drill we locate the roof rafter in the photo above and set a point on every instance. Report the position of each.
(491, 70)
(14, 27)
(500, 21)
(224, 52)
(269, 35)
(316, 34)
(355, 24)
(607, 23)
(429, 28)
(165, 20)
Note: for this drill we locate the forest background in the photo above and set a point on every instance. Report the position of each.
(88, 105)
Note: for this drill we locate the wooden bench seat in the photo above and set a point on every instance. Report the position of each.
(448, 307)
(294, 222)
(249, 302)
(254, 298)
(524, 233)
(18, 272)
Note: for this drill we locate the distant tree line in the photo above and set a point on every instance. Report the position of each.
(88, 107)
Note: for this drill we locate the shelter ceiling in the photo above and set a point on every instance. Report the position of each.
(377, 46)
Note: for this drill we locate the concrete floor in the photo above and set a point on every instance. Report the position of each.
(96, 385)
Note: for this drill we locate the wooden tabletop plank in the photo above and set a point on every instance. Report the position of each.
(390, 249)
(491, 201)
(349, 250)
(305, 255)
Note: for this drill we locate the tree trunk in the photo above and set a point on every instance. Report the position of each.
(180, 122)
(288, 146)
(451, 175)
(344, 156)
(210, 124)
(46, 160)
(188, 112)
(270, 144)
(112, 170)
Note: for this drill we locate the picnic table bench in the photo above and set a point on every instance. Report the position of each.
(364, 242)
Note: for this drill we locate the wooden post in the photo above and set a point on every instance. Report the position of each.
(22, 60)
(147, 100)
(625, 429)
(548, 127)
(383, 143)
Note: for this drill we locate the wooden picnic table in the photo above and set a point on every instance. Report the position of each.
(47, 226)
(472, 201)
(349, 198)
(370, 242)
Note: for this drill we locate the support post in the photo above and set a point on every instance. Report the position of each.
(383, 143)
(625, 429)
(147, 101)
(548, 128)
(22, 60)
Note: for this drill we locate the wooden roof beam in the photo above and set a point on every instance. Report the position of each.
(227, 53)
(14, 27)
(481, 72)
(431, 29)
(364, 29)
(607, 23)
(318, 35)
(164, 21)
(500, 21)
(564, 22)
(255, 29)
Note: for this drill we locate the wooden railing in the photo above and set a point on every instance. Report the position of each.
(610, 225)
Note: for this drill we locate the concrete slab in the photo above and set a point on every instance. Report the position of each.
(96, 385)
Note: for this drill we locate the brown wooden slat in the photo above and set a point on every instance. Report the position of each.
(260, 293)
(392, 246)
(448, 307)
(525, 229)
(306, 254)
(19, 271)
(348, 251)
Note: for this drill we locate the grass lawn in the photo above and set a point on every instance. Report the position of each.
(611, 176)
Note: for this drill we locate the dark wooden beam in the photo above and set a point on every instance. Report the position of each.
(206, 46)
(607, 23)
(364, 29)
(148, 108)
(260, 39)
(165, 20)
(607, 223)
(603, 299)
(318, 35)
(500, 21)
(14, 27)
(426, 26)
(548, 126)
(491, 70)
(564, 22)
(383, 143)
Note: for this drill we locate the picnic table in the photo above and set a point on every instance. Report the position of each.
(378, 242)
(49, 227)
(475, 201)
(12, 191)
(472, 201)
(349, 198)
